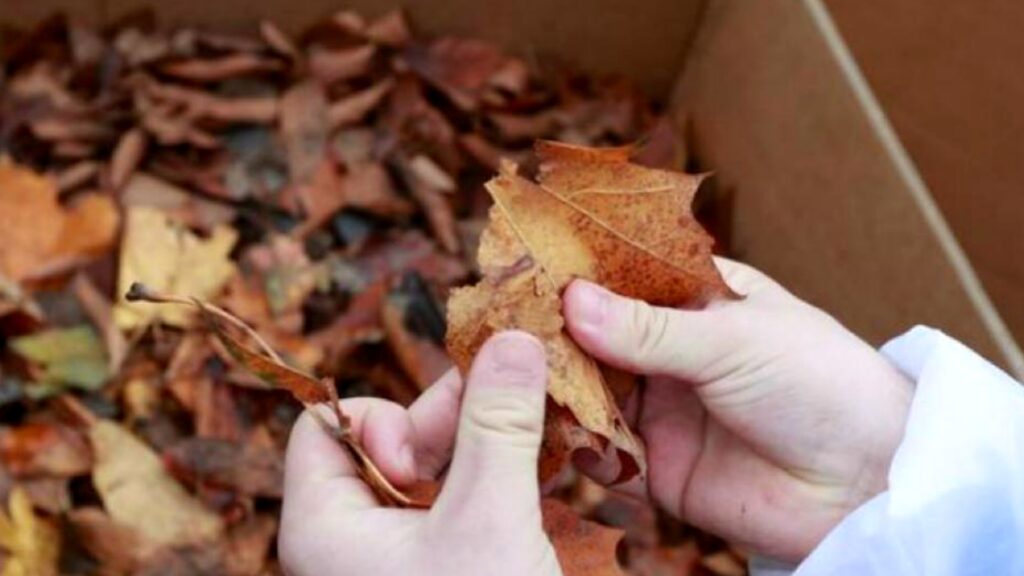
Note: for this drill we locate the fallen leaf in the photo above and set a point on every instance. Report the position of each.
(304, 387)
(329, 66)
(214, 69)
(433, 202)
(390, 29)
(72, 356)
(249, 545)
(164, 255)
(403, 314)
(138, 493)
(77, 175)
(101, 312)
(118, 548)
(126, 157)
(239, 467)
(353, 107)
(32, 542)
(37, 233)
(461, 67)
(592, 215)
(44, 449)
(584, 548)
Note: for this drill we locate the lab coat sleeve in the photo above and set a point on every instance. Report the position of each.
(955, 503)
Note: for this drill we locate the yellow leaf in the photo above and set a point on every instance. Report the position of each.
(32, 542)
(164, 255)
(138, 493)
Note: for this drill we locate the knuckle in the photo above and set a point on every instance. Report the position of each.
(506, 416)
(650, 328)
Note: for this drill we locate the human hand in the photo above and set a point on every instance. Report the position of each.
(486, 519)
(765, 420)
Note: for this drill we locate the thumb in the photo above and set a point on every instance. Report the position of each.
(500, 428)
(644, 339)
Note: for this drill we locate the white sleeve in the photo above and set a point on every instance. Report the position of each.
(955, 503)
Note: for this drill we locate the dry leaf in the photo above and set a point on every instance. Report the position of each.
(138, 493)
(329, 66)
(44, 449)
(164, 255)
(584, 548)
(127, 155)
(304, 387)
(353, 107)
(66, 356)
(38, 235)
(592, 215)
(118, 548)
(33, 543)
(101, 312)
(214, 69)
(241, 468)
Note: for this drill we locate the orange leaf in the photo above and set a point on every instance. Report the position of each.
(38, 234)
(583, 548)
(596, 216)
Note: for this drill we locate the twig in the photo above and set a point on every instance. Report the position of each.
(139, 292)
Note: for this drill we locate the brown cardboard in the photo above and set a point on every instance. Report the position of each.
(825, 204)
(949, 80)
(827, 200)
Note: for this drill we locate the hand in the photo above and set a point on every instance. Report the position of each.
(765, 420)
(487, 517)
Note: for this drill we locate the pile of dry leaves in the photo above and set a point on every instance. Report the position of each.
(327, 189)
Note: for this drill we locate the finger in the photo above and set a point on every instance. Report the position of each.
(435, 418)
(635, 336)
(494, 468)
(315, 461)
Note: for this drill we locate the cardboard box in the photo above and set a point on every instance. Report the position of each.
(826, 199)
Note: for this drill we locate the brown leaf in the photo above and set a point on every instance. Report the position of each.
(434, 204)
(330, 66)
(460, 67)
(248, 546)
(583, 548)
(239, 467)
(353, 107)
(77, 175)
(127, 155)
(423, 360)
(44, 449)
(304, 387)
(118, 548)
(593, 215)
(390, 29)
(101, 312)
(215, 69)
(304, 127)
(278, 40)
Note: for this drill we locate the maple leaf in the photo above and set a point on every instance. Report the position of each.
(592, 215)
(168, 257)
(38, 235)
(32, 542)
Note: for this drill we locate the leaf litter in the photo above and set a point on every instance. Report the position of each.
(327, 188)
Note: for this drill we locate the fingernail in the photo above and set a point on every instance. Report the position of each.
(516, 357)
(590, 304)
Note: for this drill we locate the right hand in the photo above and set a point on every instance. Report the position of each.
(765, 420)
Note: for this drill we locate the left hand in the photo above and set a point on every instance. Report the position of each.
(486, 519)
